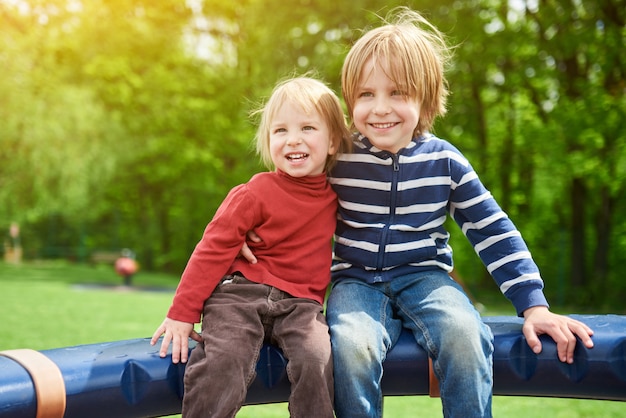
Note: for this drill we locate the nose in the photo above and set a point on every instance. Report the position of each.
(381, 106)
(294, 139)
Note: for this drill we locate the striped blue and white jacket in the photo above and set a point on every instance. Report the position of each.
(392, 209)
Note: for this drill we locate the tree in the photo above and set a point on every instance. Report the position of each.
(54, 152)
(579, 44)
(127, 121)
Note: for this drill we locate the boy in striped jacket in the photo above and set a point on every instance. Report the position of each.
(392, 258)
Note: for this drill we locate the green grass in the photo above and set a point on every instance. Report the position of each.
(56, 304)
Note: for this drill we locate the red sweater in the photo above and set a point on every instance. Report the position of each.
(295, 218)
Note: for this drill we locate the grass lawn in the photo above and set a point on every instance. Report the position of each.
(55, 304)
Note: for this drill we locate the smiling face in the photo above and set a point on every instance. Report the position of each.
(299, 142)
(383, 111)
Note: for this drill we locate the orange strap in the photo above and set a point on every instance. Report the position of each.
(433, 383)
(47, 378)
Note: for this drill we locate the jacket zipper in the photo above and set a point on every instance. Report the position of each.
(391, 218)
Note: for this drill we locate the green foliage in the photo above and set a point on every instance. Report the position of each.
(125, 122)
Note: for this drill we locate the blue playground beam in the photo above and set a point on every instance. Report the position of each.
(129, 379)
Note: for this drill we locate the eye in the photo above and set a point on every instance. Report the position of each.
(279, 130)
(365, 94)
(308, 128)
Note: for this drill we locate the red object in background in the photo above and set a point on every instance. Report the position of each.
(125, 266)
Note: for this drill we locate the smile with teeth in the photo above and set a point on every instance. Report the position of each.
(297, 157)
(383, 125)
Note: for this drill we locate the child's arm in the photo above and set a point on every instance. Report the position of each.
(563, 330)
(178, 333)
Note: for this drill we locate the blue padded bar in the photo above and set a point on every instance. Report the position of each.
(129, 379)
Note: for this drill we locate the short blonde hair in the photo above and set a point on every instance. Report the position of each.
(310, 95)
(416, 54)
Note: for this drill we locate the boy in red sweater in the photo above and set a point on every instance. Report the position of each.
(278, 299)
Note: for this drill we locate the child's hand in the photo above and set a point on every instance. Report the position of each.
(178, 333)
(563, 330)
(245, 251)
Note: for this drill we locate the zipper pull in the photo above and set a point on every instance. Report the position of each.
(396, 163)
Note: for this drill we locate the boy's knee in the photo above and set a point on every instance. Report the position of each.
(356, 350)
(468, 338)
(357, 358)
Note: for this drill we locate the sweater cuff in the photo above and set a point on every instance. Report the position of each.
(188, 317)
(526, 297)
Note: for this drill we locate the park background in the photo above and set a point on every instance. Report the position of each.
(124, 123)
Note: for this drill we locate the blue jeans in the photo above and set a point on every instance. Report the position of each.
(366, 320)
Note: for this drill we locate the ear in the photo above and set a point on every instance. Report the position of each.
(332, 146)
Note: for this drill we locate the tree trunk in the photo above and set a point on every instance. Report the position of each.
(604, 217)
(578, 201)
(506, 158)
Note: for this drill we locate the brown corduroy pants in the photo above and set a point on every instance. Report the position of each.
(238, 318)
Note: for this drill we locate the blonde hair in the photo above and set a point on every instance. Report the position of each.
(416, 54)
(310, 95)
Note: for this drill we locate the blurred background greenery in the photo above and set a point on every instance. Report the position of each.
(123, 123)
